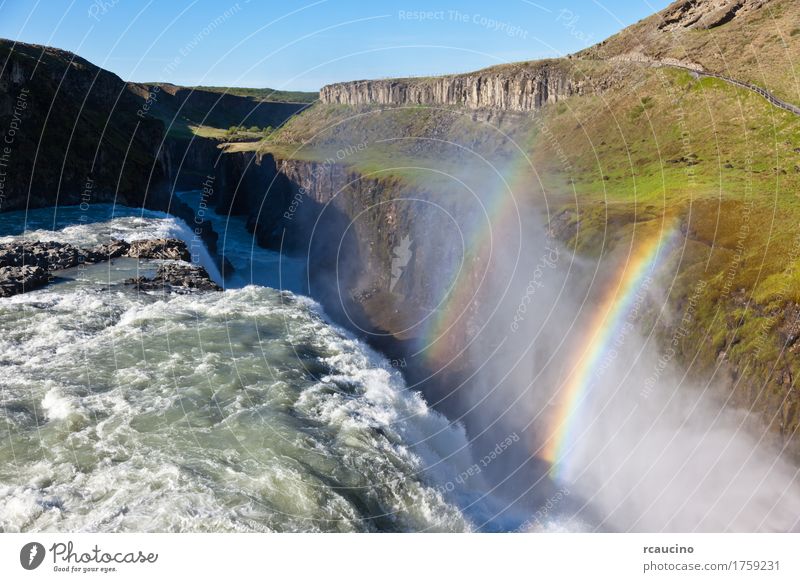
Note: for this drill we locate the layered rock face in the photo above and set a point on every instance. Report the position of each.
(308, 208)
(345, 223)
(706, 14)
(511, 88)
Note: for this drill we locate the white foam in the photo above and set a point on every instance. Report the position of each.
(195, 413)
(59, 406)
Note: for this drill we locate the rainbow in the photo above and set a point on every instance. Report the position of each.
(443, 336)
(607, 324)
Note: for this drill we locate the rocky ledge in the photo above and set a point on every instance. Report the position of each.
(49, 255)
(176, 278)
(27, 265)
(54, 256)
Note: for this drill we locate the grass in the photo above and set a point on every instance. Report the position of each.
(209, 132)
(232, 134)
(686, 139)
(727, 165)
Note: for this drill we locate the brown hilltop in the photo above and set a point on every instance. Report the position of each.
(756, 41)
(705, 14)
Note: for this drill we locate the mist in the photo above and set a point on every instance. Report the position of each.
(654, 447)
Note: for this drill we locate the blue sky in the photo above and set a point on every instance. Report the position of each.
(305, 44)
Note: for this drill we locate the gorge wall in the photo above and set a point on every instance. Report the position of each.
(517, 87)
(349, 225)
(69, 133)
(173, 104)
(72, 132)
(323, 210)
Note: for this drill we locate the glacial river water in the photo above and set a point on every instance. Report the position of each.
(242, 410)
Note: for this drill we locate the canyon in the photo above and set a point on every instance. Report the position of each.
(600, 127)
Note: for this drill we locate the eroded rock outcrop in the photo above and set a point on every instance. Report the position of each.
(110, 250)
(159, 248)
(176, 278)
(27, 265)
(16, 280)
(48, 255)
(705, 14)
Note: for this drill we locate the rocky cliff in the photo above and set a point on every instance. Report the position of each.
(321, 210)
(346, 223)
(351, 226)
(518, 87)
(74, 133)
(706, 14)
(189, 162)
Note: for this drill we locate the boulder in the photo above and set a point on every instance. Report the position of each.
(110, 250)
(15, 280)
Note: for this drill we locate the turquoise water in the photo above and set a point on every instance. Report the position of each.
(252, 264)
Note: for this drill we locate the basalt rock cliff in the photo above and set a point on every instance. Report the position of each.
(517, 87)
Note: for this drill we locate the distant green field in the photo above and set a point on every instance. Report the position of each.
(265, 94)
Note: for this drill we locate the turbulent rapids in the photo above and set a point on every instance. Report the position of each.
(242, 410)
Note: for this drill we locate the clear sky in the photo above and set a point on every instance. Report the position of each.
(304, 44)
